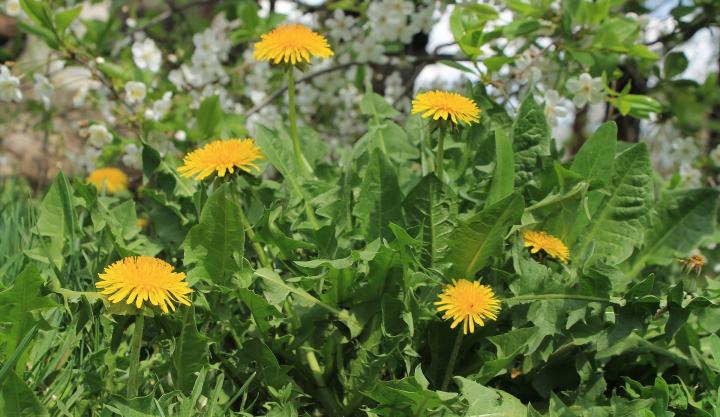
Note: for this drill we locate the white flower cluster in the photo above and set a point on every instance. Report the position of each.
(397, 20)
(98, 136)
(9, 86)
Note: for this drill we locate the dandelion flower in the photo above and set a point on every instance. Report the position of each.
(541, 241)
(443, 105)
(292, 43)
(114, 179)
(221, 156)
(144, 278)
(468, 302)
(693, 263)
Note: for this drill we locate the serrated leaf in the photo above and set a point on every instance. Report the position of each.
(616, 227)
(16, 399)
(373, 104)
(431, 210)
(531, 139)
(209, 115)
(681, 219)
(191, 352)
(503, 180)
(485, 401)
(482, 236)
(218, 240)
(19, 306)
(379, 200)
(595, 159)
(56, 220)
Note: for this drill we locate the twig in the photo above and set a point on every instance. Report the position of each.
(418, 59)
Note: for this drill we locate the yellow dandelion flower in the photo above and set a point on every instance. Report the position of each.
(444, 104)
(541, 241)
(468, 302)
(292, 43)
(144, 278)
(221, 156)
(114, 179)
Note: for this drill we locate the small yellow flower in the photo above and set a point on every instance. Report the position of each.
(141, 222)
(114, 179)
(221, 156)
(443, 105)
(468, 302)
(141, 278)
(291, 43)
(541, 241)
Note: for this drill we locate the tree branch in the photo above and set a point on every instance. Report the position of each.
(422, 59)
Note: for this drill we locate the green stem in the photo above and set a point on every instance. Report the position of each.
(539, 297)
(264, 261)
(132, 387)
(440, 154)
(325, 395)
(451, 363)
(303, 167)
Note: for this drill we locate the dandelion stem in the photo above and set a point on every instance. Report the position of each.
(451, 362)
(253, 238)
(440, 154)
(302, 165)
(132, 387)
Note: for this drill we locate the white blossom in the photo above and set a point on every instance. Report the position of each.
(715, 156)
(160, 107)
(370, 49)
(135, 92)
(43, 89)
(147, 55)
(132, 157)
(9, 86)
(99, 136)
(692, 177)
(12, 7)
(341, 26)
(180, 136)
(685, 150)
(586, 89)
(554, 107)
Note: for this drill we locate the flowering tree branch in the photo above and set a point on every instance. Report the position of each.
(419, 59)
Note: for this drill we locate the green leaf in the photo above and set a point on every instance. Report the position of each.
(17, 400)
(595, 159)
(39, 12)
(675, 64)
(616, 225)
(379, 200)
(431, 210)
(217, 242)
(487, 401)
(57, 218)
(280, 154)
(503, 180)
(531, 139)
(191, 352)
(482, 236)
(682, 218)
(636, 105)
(373, 104)
(209, 115)
(20, 304)
(64, 18)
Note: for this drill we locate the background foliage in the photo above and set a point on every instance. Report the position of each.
(343, 322)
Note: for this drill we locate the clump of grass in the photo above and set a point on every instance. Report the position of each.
(18, 212)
